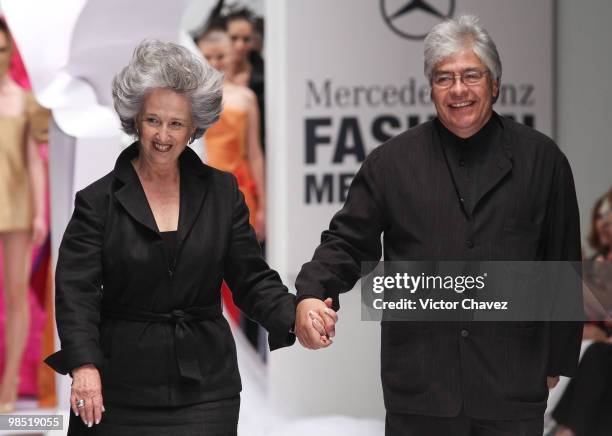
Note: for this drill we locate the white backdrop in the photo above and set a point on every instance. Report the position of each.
(341, 79)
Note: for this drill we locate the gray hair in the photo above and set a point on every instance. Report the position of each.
(157, 64)
(450, 36)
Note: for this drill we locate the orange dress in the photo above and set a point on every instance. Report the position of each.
(226, 151)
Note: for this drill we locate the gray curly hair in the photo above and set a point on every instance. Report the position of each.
(450, 36)
(157, 64)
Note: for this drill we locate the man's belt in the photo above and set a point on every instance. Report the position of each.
(185, 342)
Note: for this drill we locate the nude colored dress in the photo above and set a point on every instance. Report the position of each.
(15, 196)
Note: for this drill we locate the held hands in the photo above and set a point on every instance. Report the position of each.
(315, 323)
(86, 394)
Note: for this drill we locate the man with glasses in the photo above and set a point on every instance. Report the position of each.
(469, 185)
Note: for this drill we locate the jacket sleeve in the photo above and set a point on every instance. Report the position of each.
(353, 237)
(78, 290)
(562, 243)
(256, 289)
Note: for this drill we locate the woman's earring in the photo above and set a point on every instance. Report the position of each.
(136, 127)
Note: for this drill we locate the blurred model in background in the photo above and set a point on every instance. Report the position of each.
(233, 143)
(246, 32)
(23, 123)
(245, 66)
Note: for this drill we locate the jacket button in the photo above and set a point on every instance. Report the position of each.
(469, 244)
(464, 333)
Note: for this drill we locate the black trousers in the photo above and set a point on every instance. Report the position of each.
(400, 424)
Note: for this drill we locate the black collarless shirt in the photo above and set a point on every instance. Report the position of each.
(467, 158)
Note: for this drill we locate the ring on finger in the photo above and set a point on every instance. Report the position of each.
(80, 403)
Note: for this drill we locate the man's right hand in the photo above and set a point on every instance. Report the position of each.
(315, 323)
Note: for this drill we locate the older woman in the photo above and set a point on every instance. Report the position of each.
(141, 264)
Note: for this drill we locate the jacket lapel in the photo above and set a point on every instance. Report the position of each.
(193, 191)
(500, 167)
(131, 195)
(133, 199)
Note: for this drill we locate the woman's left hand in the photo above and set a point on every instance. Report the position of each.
(39, 230)
(260, 225)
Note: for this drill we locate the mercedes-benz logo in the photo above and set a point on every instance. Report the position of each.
(412, 19)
